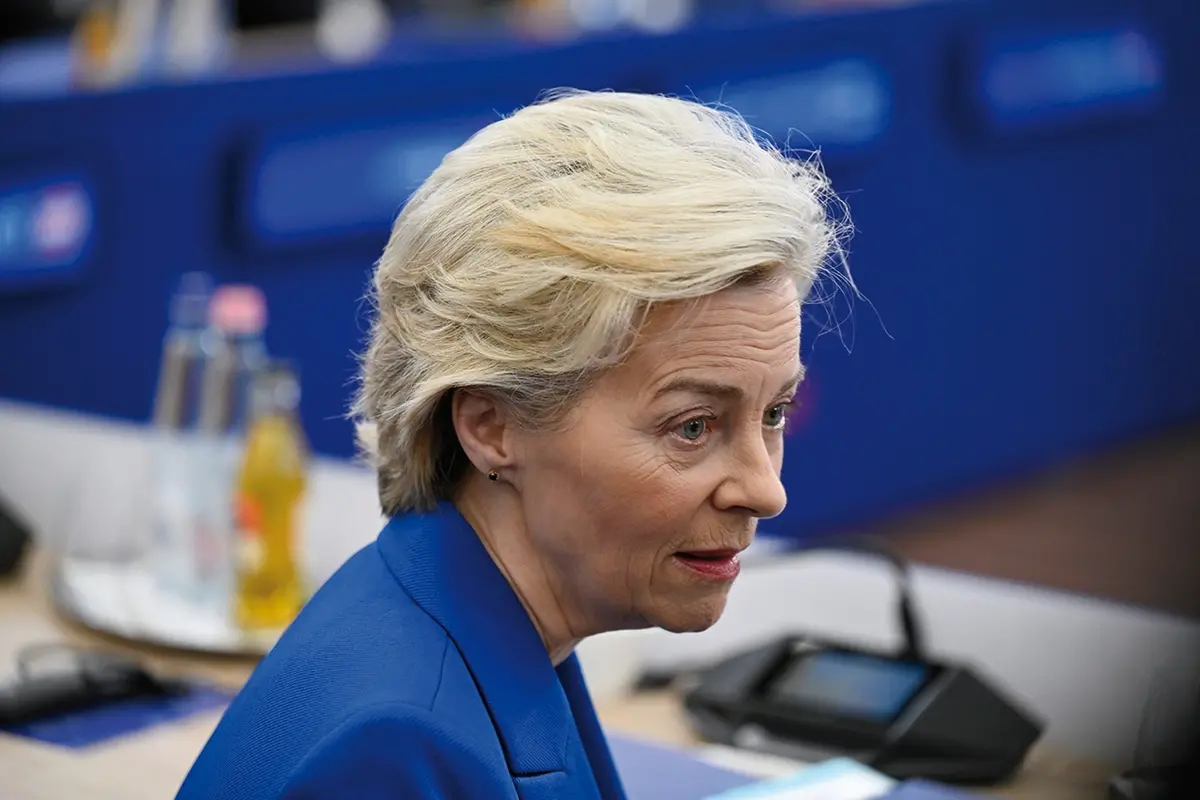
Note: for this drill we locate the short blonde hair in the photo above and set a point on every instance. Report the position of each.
(527, 260)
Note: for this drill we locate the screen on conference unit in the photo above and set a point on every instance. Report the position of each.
(851, 684)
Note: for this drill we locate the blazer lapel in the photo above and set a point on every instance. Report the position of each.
(441, 563)
(595, 745)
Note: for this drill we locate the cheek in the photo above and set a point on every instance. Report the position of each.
(664, 489)
(609, 502)
(593, 495)
(645, 502)
(629, 508)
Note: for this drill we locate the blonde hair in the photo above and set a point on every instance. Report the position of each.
(527, 260)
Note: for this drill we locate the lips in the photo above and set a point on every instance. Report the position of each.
(714, 565)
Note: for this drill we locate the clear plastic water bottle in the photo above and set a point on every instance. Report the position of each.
(175, 413)
(235, 355)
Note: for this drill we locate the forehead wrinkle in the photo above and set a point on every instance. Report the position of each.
(714, 337)
(688, 327)
(767, 332)
(679, 316)
(714, 354)
(705, 380)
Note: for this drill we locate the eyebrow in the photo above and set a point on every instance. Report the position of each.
(716, 389)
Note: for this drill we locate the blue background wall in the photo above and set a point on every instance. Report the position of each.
(1027, 259)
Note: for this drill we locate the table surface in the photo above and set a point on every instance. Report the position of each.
(152, 764)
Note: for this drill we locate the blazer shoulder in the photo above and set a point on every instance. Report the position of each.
(360, 641)
(398, 750)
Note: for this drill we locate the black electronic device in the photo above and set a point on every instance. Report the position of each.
(1166, 758)
(907, 718)
(1158, 783)
(92, 679)
(15, 539)
(903, 714)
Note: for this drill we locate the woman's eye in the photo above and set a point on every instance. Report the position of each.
(693, 429)
(776, 416)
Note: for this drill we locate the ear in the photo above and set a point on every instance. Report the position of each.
(482, 423)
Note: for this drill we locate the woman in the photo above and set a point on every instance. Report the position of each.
(586, 340)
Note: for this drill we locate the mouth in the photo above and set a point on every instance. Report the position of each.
(713, 565)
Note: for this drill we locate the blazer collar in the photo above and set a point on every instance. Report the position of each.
(591, 735)
(440, 562)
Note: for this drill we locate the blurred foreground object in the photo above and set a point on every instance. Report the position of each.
(15, 539)
(1164, 767)
(91, 680)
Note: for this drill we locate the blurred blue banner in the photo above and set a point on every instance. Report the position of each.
(342, 182)
(1037, 80)
(46, 227)
(840, 106)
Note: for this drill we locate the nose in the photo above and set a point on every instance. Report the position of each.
(753, 485)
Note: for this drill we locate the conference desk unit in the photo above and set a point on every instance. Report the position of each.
(1021, 176)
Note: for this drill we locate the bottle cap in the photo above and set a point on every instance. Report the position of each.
(238, 309)
(287, 385)
(277, 387)
(189, 306)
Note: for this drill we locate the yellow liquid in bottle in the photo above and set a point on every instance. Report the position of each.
(95, 32)
(270, 488)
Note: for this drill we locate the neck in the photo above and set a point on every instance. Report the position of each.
(495, 513)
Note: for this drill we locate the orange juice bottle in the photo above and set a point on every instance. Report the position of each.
(268, 494)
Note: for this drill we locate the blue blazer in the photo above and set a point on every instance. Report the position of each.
(414, 672)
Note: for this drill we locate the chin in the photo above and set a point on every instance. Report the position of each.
(692, 618)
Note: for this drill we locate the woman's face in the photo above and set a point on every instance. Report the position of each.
(641, 502)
